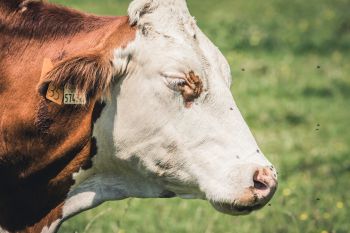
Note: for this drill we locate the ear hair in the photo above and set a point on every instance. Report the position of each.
(138, 8)
(89, 75)
(24, 4)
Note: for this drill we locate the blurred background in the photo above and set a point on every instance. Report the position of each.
(290, 63)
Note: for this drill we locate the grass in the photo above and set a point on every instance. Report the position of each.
(291, 65)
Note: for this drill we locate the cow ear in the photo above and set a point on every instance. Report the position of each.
(88, 75)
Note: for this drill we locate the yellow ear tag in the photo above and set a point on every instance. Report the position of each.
(53, 93)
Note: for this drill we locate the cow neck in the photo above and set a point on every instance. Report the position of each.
(37, 185)
(43, 144)
(44, 21)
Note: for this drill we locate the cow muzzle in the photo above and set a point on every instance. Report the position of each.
(254, 197)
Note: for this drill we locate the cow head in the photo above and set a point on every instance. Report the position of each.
(171, 126)
(174, 121)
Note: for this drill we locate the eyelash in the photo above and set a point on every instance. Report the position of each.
(174, 80)
(174, 84)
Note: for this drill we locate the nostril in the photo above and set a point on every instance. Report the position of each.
(260, 185)
(264, 185)
(259, 180)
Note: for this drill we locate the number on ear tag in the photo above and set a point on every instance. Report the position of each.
(71, 97)
(58, 95)
(54, 94)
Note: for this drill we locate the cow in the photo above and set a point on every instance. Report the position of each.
(99, 108)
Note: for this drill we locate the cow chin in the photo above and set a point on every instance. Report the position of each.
(243, 206)
(234, 209)
(252, 199)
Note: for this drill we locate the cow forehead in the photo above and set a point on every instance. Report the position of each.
(168, 18)
(180, 47)
(167, 25)
(170, 11)
(192, 51)
(170, 25)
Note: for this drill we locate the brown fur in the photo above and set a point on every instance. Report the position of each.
(44, 21)
(89, 74)
(41, 143)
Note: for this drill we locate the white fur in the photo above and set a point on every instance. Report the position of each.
(148, 142)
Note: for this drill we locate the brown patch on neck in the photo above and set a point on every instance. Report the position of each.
(43, 144)
(36, 170)
(192, 89)
(41, 20)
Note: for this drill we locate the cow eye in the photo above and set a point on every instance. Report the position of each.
(174, 81)
(176, 84)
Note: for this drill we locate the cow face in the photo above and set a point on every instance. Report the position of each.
(175, 123)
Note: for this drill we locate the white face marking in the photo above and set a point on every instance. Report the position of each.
(148, 141)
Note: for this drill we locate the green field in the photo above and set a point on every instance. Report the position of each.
(291, 67)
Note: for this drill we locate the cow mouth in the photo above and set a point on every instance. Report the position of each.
(254, 198)
(235, 209)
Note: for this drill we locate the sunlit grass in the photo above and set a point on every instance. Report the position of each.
(292, 84)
